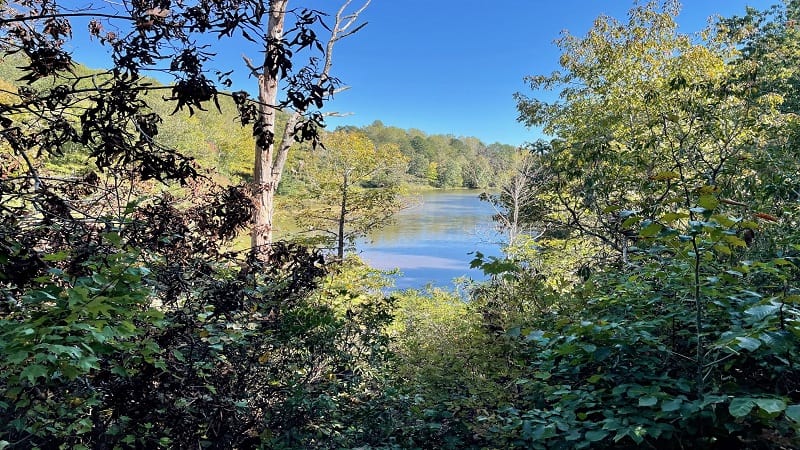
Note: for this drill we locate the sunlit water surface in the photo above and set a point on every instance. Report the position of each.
(434, 241)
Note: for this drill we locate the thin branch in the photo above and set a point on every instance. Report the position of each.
(20, 18)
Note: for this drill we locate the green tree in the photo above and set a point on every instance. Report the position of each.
(656, 135)
(642, 106)
(432, 173)
(449, 174)
(140, 36)
(340, 206)
(125, 322)
(477, 172)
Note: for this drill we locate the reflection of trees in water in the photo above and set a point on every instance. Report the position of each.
(448, 216)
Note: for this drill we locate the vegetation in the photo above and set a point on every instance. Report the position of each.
(337, 203)
(647, 296)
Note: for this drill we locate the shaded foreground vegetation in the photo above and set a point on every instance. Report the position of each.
(653, 302)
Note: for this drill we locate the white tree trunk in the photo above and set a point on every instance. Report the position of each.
(269, 159)
(265, 181)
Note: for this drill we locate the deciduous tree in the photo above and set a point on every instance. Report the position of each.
(339, 204)
(166, 37)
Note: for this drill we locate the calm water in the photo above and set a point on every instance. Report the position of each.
(432, 242)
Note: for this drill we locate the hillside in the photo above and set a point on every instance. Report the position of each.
(217, 140)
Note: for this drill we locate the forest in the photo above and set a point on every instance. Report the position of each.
(177, 265)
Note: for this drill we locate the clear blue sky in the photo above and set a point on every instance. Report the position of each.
(452, 66)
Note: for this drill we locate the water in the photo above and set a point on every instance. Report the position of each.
(431, 243)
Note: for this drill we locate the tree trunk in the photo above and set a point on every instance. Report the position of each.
(342, 217)
(270, 159)
(265, 180)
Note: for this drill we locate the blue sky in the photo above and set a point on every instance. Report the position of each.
(452, 66)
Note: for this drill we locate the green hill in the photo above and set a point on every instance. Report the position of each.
(217, 140)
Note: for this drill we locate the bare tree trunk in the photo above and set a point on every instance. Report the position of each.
(342, 218)
(264, 179)
(269, 160)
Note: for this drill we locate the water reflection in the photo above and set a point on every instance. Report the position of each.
(432, 242)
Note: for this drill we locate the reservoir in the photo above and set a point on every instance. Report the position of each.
(432, 241)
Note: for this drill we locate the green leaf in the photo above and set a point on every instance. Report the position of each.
(671, 217)
(771, 405)
(113, 238)
(671, 405)
(33, 372)
(647, 401)
(630, 221)
(723, 249)
(17, 357)
(57, 349)
(735, 241)
(178, 355)
(56, 257)
(708, 202)
(88, 363)
(664, 176)
(762, 311)
(741, 407)
(748, 343)
(651, 229)
(793, 412)
(596, 435)
(749, 224)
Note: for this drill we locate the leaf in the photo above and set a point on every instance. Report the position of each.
(33, 372)
(762, 311)
(596, 435)
(705, 190)
(671, 217)
(630, 221)
(664, 176)
(56, 349)
(671, 405)
(791, 299)
(17, 357)
(750, 225)
(651, 229)
(771, 405)
(740, 407)
(88, 363)
(178, 355)
(647, 401)
(735, 241)
(723, 249)
(748, 343)
(708, 202)
(56, 257)
(793, 412)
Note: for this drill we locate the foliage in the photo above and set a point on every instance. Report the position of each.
(448, 369)
(142, 333)
(108, 112)
(682, 329)
(338, 202)
(126, 323)
(655, 306)
(444, 160)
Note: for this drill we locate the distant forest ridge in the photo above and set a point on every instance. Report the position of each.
(217, 140)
